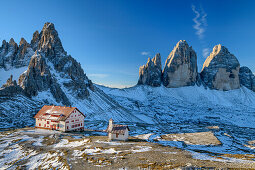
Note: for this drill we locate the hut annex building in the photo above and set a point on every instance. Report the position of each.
(117, 132)
(60, 118)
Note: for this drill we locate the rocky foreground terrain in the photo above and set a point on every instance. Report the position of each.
(31, 148)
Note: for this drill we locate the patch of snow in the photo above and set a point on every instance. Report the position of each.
(66, 143)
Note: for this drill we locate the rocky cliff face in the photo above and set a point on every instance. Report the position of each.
(247, 78)
(221, 70)
(150, 74)
(181, 66)
(13, 55)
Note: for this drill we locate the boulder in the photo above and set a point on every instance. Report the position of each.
(181, 66)
(221, 70)
(150, 74)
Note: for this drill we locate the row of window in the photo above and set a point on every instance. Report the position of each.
(73, 121)
(51, 126)
(74, 126)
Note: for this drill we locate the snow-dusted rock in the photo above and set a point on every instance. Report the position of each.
(221, 70)
(247, 78)
(150, 74)
(12, 55)
(38, 78)
(181, 66)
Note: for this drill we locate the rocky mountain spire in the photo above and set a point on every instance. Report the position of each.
(35, 40)
(247, 78)
(181, 66)
(221, 70)
(49, 42)
(150, 74)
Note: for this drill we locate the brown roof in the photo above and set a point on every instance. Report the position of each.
(118, 129)
(57, 113)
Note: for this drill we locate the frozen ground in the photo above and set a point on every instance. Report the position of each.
(30, 148)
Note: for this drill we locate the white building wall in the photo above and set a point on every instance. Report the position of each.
(48, 124)
(113, 136)
(75, 121)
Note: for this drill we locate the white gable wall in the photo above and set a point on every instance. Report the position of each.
(75, 121)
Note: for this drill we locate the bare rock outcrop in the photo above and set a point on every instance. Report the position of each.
(38, 78)
(151, 73)
(13, 55)
(181, 66)
(10, 88)
(221, 70)
(247, 78)
(49, 42)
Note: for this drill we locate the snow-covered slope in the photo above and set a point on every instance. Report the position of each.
(164, 104)
(192, 109)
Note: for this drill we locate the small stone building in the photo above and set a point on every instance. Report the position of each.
(117, 132)
(60, 118)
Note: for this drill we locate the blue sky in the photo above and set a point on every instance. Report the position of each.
(111, 39)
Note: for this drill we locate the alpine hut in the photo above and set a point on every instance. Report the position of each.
(60, 118)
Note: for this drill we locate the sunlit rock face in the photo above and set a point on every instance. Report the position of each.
(181, 66)
(150, 74)
(221, 70)
(247, 78)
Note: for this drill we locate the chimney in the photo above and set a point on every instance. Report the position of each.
(110, 126)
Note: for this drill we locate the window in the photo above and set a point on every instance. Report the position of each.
(117, 135)
(72, 120)
(39, 124)
(67, 121)
(72, 126)
(66, 127)
(48, 122)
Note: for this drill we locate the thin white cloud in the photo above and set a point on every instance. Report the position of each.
(145, 53)
(200, 21)
(206, 52)
(98, 75)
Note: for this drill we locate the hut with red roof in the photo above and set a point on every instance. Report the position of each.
(60, 118)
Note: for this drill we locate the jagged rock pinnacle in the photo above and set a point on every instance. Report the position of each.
(150, 74)
(181, 66)
(221, 70)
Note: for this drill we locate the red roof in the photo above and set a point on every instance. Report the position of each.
(58, 113)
